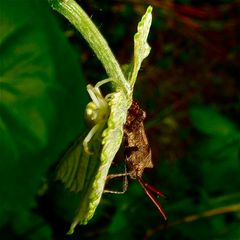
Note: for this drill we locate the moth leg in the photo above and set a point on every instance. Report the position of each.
(125, 183)
(89, 136)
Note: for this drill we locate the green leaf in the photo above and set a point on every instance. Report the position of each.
(217, 146)
(118, 223)
(141, 47)
(37, 85)
(112, 138)
(73, 167)
(210, 122)
(86, 206)
(111, 141)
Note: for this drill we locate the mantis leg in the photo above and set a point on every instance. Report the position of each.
(97, 112)
(99, 84)
(95, 94)
(87, 139)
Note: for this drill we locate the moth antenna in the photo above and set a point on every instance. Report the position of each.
(151, 188)
(151, 196)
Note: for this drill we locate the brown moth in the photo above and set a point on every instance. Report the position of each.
(138, 155)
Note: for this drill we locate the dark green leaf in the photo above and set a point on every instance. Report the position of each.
(209, 121)
(42, 101)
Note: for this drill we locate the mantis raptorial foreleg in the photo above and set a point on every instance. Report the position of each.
(97, 112)
(89, 136)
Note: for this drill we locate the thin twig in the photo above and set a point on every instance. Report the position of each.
(195, 217)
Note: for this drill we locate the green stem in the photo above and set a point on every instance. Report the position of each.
(75, 14)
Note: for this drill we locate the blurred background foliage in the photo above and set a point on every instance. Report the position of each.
(189, 87)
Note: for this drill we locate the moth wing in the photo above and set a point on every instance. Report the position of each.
(144, 149)
(147, 156)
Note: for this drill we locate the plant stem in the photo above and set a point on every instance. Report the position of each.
(195, 217)
(75, 14)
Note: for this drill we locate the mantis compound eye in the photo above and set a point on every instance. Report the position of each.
(91, 113)
(95, 114)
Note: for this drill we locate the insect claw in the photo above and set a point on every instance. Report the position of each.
(86, 149)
